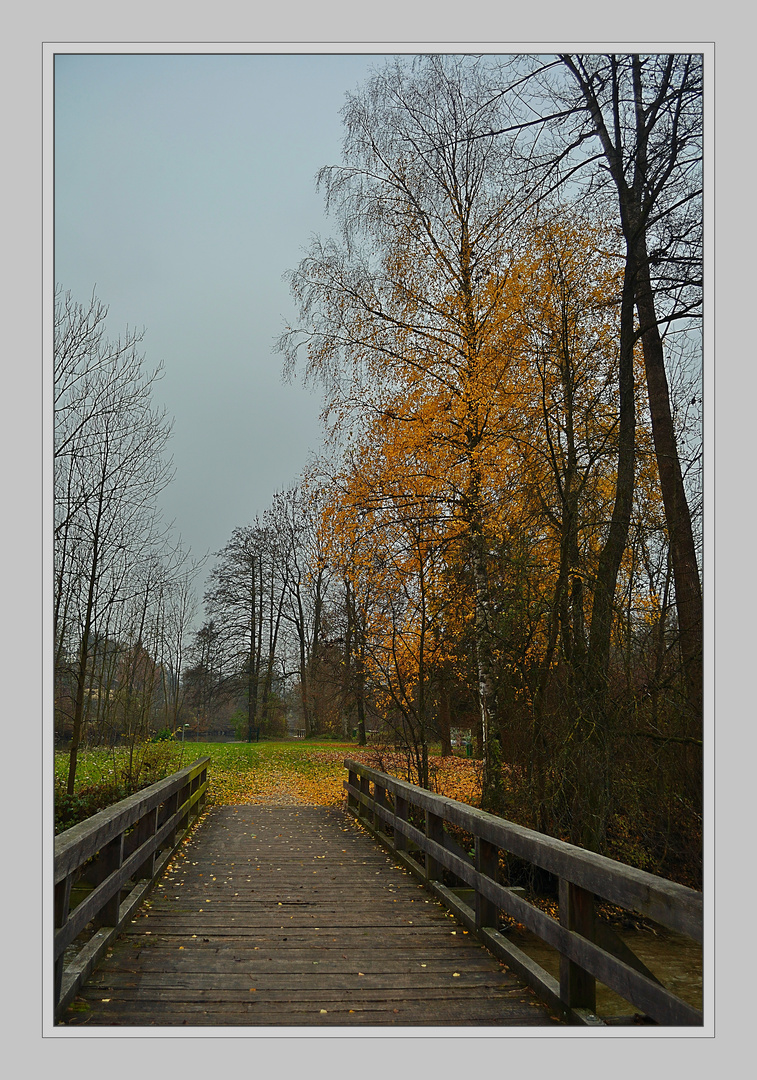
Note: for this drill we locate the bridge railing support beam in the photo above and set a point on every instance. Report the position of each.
(379, 798)
(487, 863)
(352, 803)
(578, 988)
(400, 819)
(110, 861)
(435, 833)
(589, 951)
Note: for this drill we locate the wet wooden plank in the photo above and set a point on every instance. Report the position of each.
(291, 916)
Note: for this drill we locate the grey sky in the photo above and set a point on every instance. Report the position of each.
(184, 189)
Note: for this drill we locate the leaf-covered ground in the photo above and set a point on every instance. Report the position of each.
(314, 773)
(274, 772)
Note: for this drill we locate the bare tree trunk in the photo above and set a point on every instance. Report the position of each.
(614, 546)
(355, 652)
(688, 590)
(81, 674)
(492, 785)
(445, 723)
(638, 198)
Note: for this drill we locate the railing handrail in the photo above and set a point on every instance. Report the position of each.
(583, 875)
(667, 902)
(75, 845)
(123, 848)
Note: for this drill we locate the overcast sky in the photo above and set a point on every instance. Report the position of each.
(184, 190)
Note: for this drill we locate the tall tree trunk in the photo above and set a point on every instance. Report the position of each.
(491, 788)
(688, 590)
(81, 675)
(594, 753)
(252, 674)
(612, 552)
(445, 723)
(637, 205)
(355, 647)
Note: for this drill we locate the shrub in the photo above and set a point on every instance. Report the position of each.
(150, 762)
(166, 735)
(71, 809)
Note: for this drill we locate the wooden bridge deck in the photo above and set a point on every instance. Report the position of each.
(292, 915)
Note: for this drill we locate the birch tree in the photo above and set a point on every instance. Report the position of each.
(409, 293)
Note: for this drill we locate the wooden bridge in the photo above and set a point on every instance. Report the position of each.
(295, 915)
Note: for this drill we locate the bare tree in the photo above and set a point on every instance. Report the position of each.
(205, 678)
(109, 470)
(245, 598)
(634, 123)
(177, 608)
(305, 577)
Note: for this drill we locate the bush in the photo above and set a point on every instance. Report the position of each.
(166, 735)
(150, 762)
(71, 809)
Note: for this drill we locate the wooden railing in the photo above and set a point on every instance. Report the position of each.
(105, 865)
(589, 949)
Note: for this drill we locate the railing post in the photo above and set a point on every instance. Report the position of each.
(110, 860)
(400, 814)
(577, 987)
(146, 828)
(171, 807)
(62, 903)
(434, 831)
(365, 789)
(195, 810)
(487, 862)
(379, 800)
(352, 803)
(203, 797)
(184, 795)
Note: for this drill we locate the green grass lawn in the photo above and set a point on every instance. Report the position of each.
(238, 773)
(294, 770)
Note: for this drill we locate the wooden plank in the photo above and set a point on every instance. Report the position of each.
(384, 948)
(109, 888)
(106, 905)
(582, 960)
(295, 1012)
